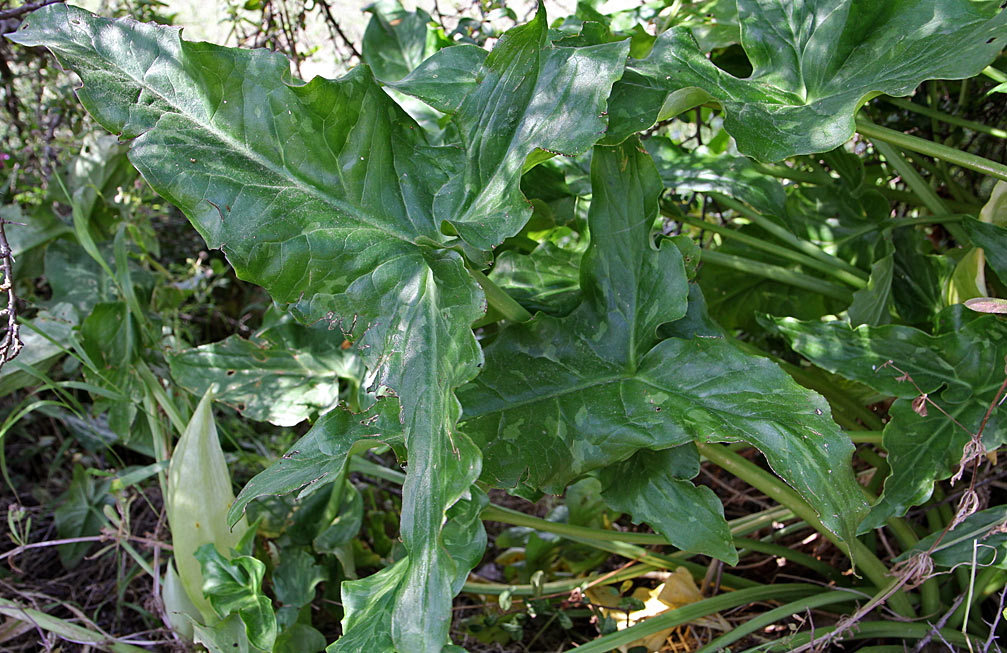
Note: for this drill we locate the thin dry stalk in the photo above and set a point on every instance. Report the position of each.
(10, 343)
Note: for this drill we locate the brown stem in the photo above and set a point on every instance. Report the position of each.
(89, 538)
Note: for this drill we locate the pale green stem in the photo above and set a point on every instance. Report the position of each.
(796, 607)
(800, 245)
(781, 551)
(496, 297)
(985, 583)
(362, 466)
(158, 439)
(163, 400)
(516, 518)
(939, 170)
(777, 273)
(995, 74)
(971, 594)
(873, 630)
(912, 178)
(929, 148)
(919, 186)
(772, 248)
(906, 197)
(559, 586)
(739, 527)
(896, 223)
(865, 437)
(693, 611)
(63, 629)
(751, 523)
(672, 561)
(775, 489)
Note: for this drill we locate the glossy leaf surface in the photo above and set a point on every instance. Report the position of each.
(562, 397)
(235, 587)
(396, 40)
(547, 279)
(526, 94)
(814, 62)
(322, 452)
(979, 533)
(284, 374)
(961, 369)
(322, 193)
(685, 171)
(654, 487)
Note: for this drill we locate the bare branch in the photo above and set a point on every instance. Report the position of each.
(25, 9)
(10, 342)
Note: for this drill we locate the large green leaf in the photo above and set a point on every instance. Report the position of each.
(654, 487)
(561, 397)
(526, 94)
(814, 63)
(396, 40)
(960, 368)
(284, 374)
(322, 193)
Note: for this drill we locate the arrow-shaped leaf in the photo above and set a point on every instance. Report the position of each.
(562, 397)
(814, 62)
(322, 193)
(961, 369)
(526, 94)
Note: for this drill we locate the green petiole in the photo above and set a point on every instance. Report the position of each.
(777, 273)
(784, 252)
(775, 489)
(929, 148)
(804, 246)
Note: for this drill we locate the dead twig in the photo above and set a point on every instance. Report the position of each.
(25, 9)
(10, 343)
(996, 621)
(104, 537)
(920, 645)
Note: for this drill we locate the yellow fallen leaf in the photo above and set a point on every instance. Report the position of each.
(677, 590)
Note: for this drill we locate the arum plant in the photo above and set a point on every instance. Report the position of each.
(357, 216)
(198, 497)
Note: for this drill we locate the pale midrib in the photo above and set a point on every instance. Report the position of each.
(620, 378)
(549, 397)
(308, 189)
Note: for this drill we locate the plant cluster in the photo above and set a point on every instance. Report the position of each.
(582, 263)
